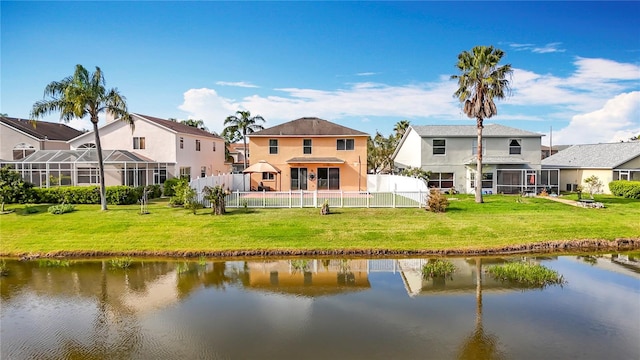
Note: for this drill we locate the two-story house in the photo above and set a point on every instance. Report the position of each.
(189, 152)
(20, 138)
(311, 154)
(511, 158)
(237, 155)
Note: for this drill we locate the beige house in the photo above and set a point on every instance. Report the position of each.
(191, 152)
(21, 137)
(615, 161)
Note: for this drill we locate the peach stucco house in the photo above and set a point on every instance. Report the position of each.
(311, 154)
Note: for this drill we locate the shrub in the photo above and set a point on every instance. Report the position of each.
(216, 196)
(168, 188)
(437, 202)
(624, 188)
(12, 188)
(53, 263)
(60, 209)
(182, 193)
(534, 275)
(438, 268)
(121, 263)
(116, 195)
(325, 208)
(594, 185)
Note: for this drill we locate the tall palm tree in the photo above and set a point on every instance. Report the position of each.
(400, 128)
(480, 81)
(245, 124)
(80, 95)
(195, 123)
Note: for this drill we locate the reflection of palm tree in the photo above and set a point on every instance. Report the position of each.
(103, 344)
(480, 345)
(345, 275)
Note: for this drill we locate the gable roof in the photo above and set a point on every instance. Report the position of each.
(42, 130)
(177, 126)
(309, 126)
(489, 130)
(594, 156)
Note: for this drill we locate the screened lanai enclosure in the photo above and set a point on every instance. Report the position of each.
(46, 168)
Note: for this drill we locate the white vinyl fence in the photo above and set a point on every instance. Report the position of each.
(384, 191)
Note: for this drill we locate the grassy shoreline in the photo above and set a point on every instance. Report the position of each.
(502, 225)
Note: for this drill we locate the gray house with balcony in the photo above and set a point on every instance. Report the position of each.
(511, 158)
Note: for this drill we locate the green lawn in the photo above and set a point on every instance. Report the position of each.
(501, 221)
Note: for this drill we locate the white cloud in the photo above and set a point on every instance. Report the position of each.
(81, 124)
(207, 105)
(603, 69)
(545, 49)
(591, 94)
(549, 48)
(237, 84)
(618, 119)
(366, 74)
(357, 100)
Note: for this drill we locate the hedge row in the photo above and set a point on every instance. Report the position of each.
(116, 195)
(628, 189)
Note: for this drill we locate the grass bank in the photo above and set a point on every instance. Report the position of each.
(502, 224)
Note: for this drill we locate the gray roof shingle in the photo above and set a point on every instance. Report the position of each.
(490, 130)
(309, 126)
(594, 156)
(42, 129)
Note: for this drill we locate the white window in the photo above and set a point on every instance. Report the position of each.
(487, 180)
(197, 145)
(22, 150)
(345, 144)
(306, 146)
(138, 142)
(268, 176)
(181, 143)
(185, 173)
(474, 147)
(203, 171)
(439, 146)
(273, 146)
(514, 147)
(441, 180)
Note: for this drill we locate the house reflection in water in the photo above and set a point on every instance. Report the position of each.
(309, 278)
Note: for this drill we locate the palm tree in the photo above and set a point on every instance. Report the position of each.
(244, 124)
(195, 123)
(84, 94)
(400, 128)
(479, 82)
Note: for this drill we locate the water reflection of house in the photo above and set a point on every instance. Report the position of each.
(619, 263)
(309, 278)
(463, 280)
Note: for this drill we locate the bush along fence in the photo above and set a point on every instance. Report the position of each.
(116, 195)
(337, 199)
(625, 188)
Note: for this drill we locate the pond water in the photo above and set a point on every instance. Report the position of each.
(318, 309)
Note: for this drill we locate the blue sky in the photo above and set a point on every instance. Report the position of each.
(365, 65)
